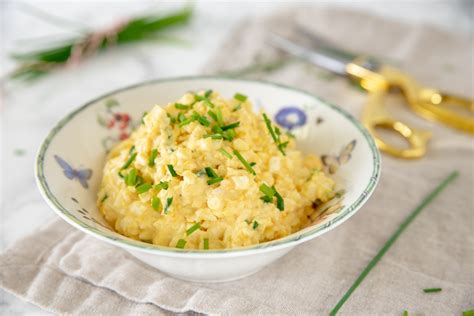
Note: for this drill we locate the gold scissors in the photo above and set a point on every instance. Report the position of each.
(378, 79)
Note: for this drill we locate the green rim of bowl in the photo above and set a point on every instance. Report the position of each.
(132, 244)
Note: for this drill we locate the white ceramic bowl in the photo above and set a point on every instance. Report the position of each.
(70, 161)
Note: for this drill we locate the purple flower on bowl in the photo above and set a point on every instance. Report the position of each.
(290, 117)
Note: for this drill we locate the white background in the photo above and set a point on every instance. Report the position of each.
(28, 111)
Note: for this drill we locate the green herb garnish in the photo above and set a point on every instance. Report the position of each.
(210, 172)
(240, 97)
(207, 93)
(172, 171)
(268, 191)
(276, 138)
(431, 290)
(156, 203)
(169, 201)
(163, 185)
(180, 106)
(142, 188)
(131, 177)
(255, 225)
(220, 118)
(181, 117)
(192, 229)
(104, 198)
(132, 150)
(280, 201)
(187, 121)
(206, 243)
(151, 160)
(405, 313)
(143, 116)
(230, 126)
(129, 161)
(214, 136)
(213, 115)
(225, 153)
(253, 164)
(172, 119)
(237, 107)
(201, 119)
(244, 162)
(214, 180)
(181, 243)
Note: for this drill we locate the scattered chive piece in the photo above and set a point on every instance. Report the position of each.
(206, 243)
(253, 164)
(142, 188)
(132, 150)
(129, 161)
(172, 171)
(244, 162)
(180, 106)
(143, 116)
(229, 134)
(156, 203)
(265, 189)
(405, 313)
(225, 153)
(216, 129)
(230, 126)
(131, 177)
(181, 243)
(208, 93)
(280, 201)
(431, 290)
(240, 97)
(104, 198)
(237, 107)
(172, 119)
(266, 199)
(213, 115)
(203, 120)
(169, 201)
(192, 229)
(214, 136)
(255, 225)
(181, 117)
(186, 121)
(120, 174)
(220, 118)
(214, 180)
(139, 181)
(468, 313)
(268, 123)
(210, 172)
(162, 185)
(151, 160)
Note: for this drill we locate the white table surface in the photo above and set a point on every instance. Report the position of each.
(29, 111)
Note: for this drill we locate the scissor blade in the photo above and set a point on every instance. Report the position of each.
(327, 62)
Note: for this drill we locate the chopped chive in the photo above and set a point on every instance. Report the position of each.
(237, 107)
(214, 136)
(214, 180)
(280, 201)
(266, 199)
(268, 191)
(181, 243)
(220, 118)
(186, 121)
(169, 201)
(405, 313)
(104, 198)
(240, 97)
(143, 116)
(225, 153)
(142, 188)
(180, 106)
(255, 225)
(129, 161)
(181, 117)
(229, 134)
(172, 119)
(162, 185)
(244, 162)
(151, 160)
(230, 126)
(208, 93)
(203, 120)
(213, 115)
(210, 172)
(156, 203)
(268, 123)
(172, 171)
(192, 229)
(132, 150)
(431, 290)
(120, 174)
(206, 243)
(131, 177)
(139, 181)
(253, 164)
(216, 129)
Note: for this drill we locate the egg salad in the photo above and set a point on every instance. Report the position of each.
(206, 172)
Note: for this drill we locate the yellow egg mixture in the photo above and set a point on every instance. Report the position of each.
(209, 173)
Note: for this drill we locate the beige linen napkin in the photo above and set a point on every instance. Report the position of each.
(65, 271)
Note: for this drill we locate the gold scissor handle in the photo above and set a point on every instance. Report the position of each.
(375, 115)
(430, 103)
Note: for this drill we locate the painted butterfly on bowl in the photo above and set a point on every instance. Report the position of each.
(333, 162)
(82, 175)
